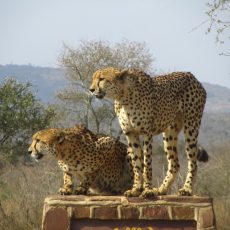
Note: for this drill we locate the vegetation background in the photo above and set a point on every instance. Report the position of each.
(33, 98)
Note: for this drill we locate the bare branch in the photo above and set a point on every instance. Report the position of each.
(82, 62)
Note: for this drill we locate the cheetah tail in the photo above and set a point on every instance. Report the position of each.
(202, 154)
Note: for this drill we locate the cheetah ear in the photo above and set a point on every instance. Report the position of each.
(60, 138)
(122, 74)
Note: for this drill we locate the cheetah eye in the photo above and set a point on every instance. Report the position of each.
(101, 78)
(39, 141)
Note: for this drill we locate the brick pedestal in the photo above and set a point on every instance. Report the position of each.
(118, 212)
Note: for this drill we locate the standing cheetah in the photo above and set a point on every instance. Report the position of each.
(148, 106)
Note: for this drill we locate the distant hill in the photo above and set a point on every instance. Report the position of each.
(218, 98)
(47, 81)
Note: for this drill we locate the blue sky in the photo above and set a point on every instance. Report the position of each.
(34, 31)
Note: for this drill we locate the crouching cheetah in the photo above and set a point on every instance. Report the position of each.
(100, 163)
(148, 106)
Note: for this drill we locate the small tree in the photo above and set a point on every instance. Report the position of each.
(218, 12)
(81, 63)
(21, 114)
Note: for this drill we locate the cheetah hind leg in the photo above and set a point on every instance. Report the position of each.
(191, 151)
(83, 187)
(170, 136)
(81, 190)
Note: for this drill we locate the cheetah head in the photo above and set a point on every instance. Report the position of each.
(43, 143)
(108, 83)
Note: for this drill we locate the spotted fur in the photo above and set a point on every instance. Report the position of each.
(100, 163)
(147, 106)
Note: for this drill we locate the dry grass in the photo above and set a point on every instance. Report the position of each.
(23, 188)
(214, 180)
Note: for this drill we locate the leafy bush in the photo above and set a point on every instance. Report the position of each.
(21, 114)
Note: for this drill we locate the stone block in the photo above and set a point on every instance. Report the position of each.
(185, 199)
(105, 213)
(163, 212)
(130, 213)
(155, 212)
(81, 212)
(183, 213)
(206, 218)
(141, 200)
(56, 218)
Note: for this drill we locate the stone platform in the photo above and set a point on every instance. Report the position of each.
(118, 212)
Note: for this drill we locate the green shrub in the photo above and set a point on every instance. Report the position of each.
(21, 114)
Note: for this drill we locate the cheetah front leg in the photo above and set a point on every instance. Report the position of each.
(148, 191)
(67, 188)
(136, 157)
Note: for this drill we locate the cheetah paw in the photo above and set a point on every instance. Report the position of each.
(65, 191)
(80, 191)
(148, 193)
(185, 192)
(133, 192)
(162, 191)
